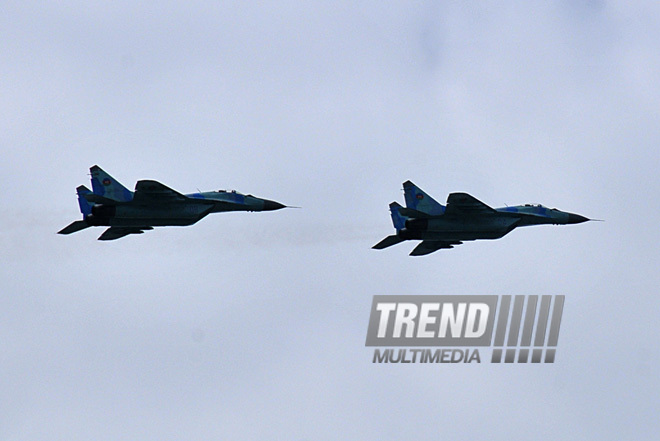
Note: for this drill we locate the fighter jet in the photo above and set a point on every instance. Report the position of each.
(463, 218)
(152, 204)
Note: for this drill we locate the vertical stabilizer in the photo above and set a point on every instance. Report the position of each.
(398, 220)
(105, 185)
(418, 200)
(85, 207)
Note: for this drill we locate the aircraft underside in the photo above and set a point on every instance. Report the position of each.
(155, 216)
(453, 229)
(464, 235)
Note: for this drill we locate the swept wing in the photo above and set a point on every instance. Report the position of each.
(463, 203)
(148, 191)
(113, 233)
(429, 246)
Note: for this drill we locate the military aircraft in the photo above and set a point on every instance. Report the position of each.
(151, 205)
(463, 218)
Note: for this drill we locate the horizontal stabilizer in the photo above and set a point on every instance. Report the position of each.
(428, 247)
(387, 242)
(73, 227)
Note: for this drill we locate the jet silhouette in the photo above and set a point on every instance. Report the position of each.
(152, 204)
(463, 218)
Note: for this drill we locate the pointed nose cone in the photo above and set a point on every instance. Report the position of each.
(272, 205)
(576, 218)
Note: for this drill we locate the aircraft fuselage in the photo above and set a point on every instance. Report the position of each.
(483, 226)
(169, 214)
(178, 213)
(459, 228)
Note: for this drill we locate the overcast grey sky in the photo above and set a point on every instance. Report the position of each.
(252, 325)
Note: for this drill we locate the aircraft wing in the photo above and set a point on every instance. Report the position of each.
(463, 203)
(429, 246)
(113, 233)
(147, 192)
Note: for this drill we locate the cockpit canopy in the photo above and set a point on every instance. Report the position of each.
(539, 206)
(234, 193)
(229, 191)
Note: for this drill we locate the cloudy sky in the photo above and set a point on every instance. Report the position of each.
(252, 325)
